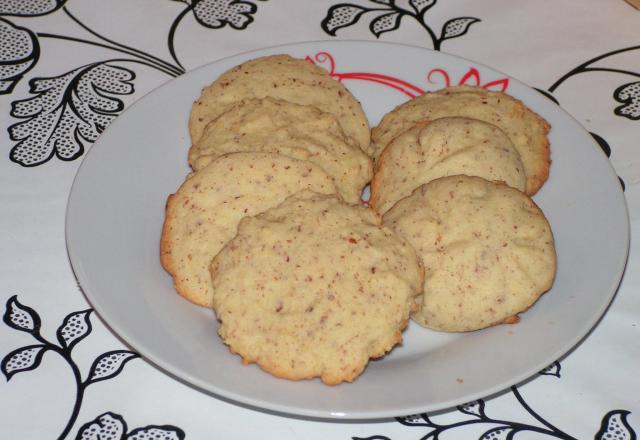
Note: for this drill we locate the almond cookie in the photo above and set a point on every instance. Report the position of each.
(283, 77)
(526, 129)
(439, 148)
(314, 288)
(487, 249)
(299, 131)
(202, 216)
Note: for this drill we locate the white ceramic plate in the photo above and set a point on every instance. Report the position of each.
(116, 210)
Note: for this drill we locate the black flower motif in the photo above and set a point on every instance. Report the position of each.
(67, 112)
(29, 8)
(218, 13)
(19, 51)
(457, 27)
(110, 426)
(385, 23)
(629, 95)
(421, 6)
(415, 420)
(615, 426)
(475, 408)
(21, 317)
(552, 370)
(22, 359)
(74, 328)
(389, 16)
(340, 16)
(106, 426)
(109, 365)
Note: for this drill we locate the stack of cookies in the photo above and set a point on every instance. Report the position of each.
(454, 172)
(270, 230)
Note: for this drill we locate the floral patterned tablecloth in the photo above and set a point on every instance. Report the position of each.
(68, 68)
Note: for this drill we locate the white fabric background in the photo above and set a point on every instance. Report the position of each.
(536, 42)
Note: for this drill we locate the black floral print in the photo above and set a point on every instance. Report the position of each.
(29, 8)
(215, 14)
(388, 17)
(629, 95)
(614, 424)
(67, 112)
(74, 328)
(19, 52)
(110, 426)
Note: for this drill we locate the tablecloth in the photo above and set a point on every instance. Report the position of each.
(584, 55)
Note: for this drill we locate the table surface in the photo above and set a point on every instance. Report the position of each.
(586, 56)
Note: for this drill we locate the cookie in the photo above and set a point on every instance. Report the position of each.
(314, 288)
(439, 148)
(487, 249)
(527, 130)
(283, 77)
(299, 131)
(202, 216)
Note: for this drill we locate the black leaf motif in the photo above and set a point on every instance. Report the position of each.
(385, 23)
(75, 327)
(109, 365)
(615, 427)
(341, 15)
(67, 112)
(22, 359)
(21, 317)
(165, 432)
(473, 408)
(421, 6)
(552, 370)
(604, 145)
(499, 433)
(457, 27)
(629, 95)
(108, 426)
(416, 420)
(547, 95)
(216, 14)
(29, 8)
(19, 52)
